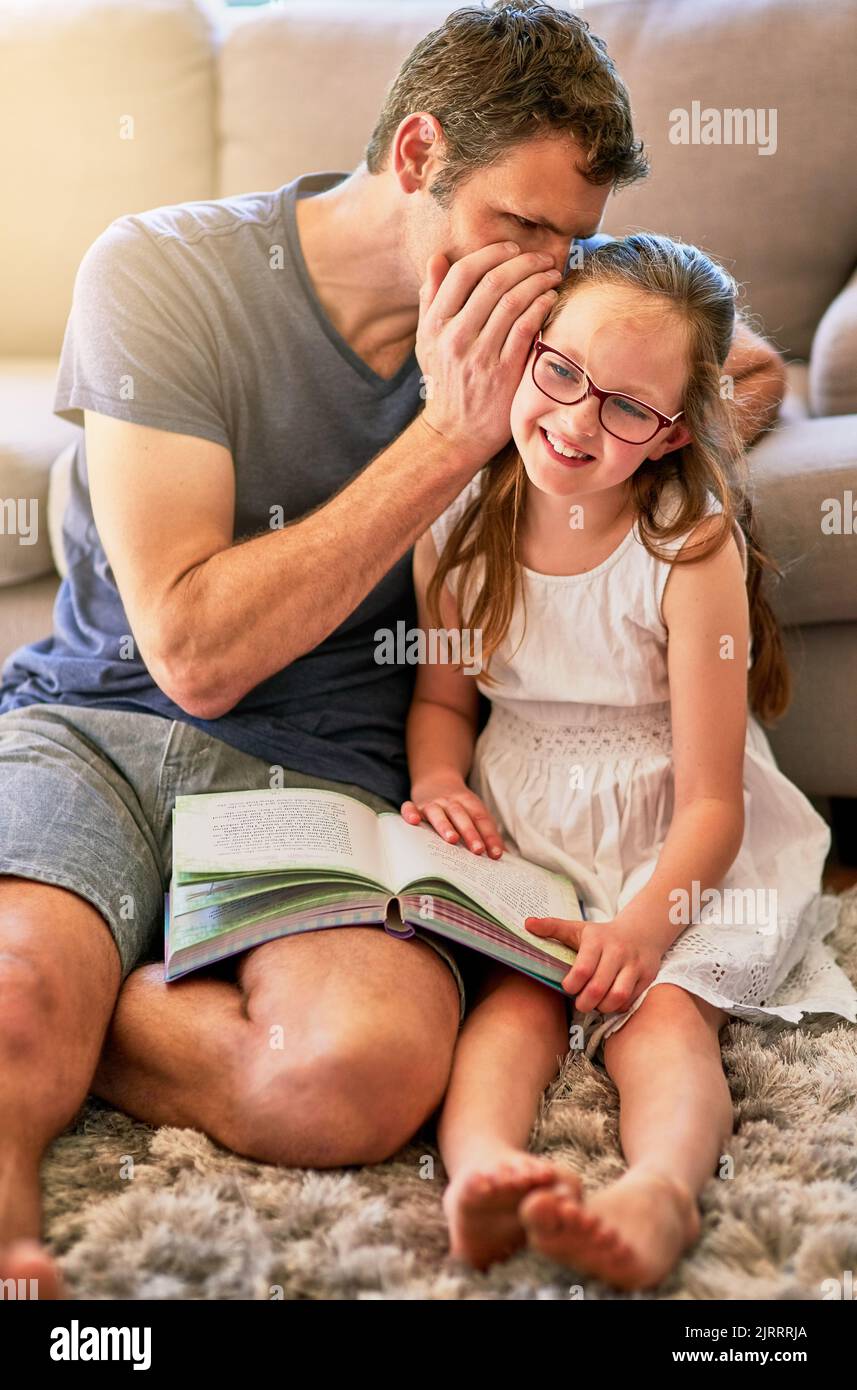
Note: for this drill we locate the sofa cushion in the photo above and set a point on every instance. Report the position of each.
(112, 108)
(833, 360)
(26, 613)
(795, 406)
(811, 742)
(30, 439)
(804, 479)
(301, 86)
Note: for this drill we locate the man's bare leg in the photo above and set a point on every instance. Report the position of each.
(59, 977)
(332, 1048)
(511, 1046)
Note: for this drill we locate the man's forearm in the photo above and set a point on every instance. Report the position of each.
(758, 396)
(758, 379)
(253, 608)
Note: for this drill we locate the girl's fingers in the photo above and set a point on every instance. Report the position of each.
(584, 968)
(490, 834)
(623, 991)
(599, 986)
(478, 831)
(461, 820)
(558, 929)
(437, 817)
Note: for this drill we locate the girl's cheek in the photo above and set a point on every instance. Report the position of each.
(521, 416)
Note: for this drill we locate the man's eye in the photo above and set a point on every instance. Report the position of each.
(524, 221)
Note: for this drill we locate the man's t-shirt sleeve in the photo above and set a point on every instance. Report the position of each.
(138, 344)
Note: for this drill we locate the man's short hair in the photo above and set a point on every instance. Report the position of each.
(498, 75)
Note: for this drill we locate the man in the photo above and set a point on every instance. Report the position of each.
(340, 356)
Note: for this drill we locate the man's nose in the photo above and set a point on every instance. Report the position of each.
(560, 250)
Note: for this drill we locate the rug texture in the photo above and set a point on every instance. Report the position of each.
(136, 1213)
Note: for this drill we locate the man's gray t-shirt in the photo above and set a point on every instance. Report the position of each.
(201, 319)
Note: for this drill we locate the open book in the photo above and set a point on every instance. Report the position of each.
(250, 866)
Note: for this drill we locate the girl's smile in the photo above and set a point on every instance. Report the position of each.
(577, 458)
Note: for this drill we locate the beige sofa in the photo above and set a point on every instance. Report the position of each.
(114, 106)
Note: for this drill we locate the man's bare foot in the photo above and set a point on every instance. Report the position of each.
(630, 1234)
(481, 1203)
(32, 1268)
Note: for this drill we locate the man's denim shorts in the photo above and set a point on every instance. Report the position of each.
(86, 799)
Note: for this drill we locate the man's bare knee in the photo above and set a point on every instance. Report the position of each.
(28, 1005)
(346, 1100)
(42, 986)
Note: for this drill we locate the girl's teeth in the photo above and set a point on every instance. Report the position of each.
(564, 449)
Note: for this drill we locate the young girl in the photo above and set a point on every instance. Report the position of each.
(605, 557)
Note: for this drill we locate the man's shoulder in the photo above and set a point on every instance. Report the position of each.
(193, 223)
(234, 231)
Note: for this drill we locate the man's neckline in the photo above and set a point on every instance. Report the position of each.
(305, 186)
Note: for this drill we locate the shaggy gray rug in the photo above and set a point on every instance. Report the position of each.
(137, 1213)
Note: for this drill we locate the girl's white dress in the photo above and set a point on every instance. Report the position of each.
(575, 765)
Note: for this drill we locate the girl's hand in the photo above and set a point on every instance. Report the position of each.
(615, 960)
(451, 807)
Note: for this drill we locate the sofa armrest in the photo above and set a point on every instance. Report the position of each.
(833, 357)
(804, 482)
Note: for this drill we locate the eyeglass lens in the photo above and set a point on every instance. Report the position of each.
(623, 417)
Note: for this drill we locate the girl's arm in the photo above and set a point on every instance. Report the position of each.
(706, 613)
(441, 732)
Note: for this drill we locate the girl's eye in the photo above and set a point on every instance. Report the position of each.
(629, 408)
(562, 372)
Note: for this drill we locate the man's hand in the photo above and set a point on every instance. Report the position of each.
(476, 328)
(615, 960)
(455, 812)
(759, 376)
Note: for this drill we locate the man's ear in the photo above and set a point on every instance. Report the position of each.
(675, 438)
(417, 149)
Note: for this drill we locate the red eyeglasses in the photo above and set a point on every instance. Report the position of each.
(563, 380)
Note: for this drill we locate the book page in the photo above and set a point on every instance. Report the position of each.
(269, 830)
(510, 887)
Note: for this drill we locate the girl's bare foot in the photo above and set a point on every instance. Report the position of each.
(481, 1203)
(33, 1270)
(630, 1234)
